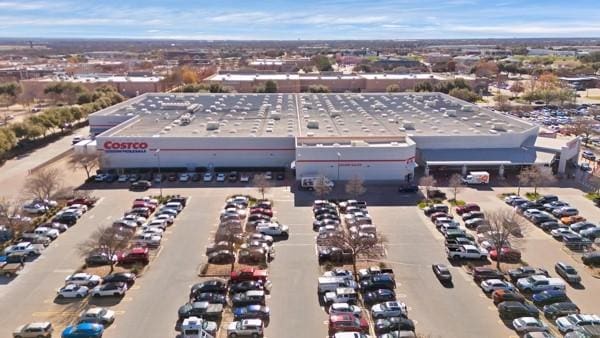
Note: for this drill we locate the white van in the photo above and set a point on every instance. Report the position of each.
(192, 327)
(330, 284)
(308, 182)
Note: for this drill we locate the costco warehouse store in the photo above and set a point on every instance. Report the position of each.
(372, 136)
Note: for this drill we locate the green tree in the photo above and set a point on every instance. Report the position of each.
(270, 86)
(65, 92)
(9, 93)
(318, 89)
(322, 63)
(465, 94)
(423, 87)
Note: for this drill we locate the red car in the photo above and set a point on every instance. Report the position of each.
(347, 322)
(437, 215)
(135, 255)
(261, 211)
(142, 204)
(467, 208)
(89, 202)
(506, 255)
(248, 274)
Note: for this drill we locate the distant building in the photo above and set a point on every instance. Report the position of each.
(550, 52)
(336, 82)
(128, 86)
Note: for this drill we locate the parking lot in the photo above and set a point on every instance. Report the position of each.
(150, 307)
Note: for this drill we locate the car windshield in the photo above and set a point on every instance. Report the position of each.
(570, 270)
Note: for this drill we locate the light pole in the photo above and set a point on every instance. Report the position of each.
(338, 165)
(157, 154)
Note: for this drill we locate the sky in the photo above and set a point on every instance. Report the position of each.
(299, 19)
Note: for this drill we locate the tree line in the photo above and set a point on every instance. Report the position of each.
(57, 119)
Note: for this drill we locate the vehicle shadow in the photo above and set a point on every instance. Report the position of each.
(577, 286)
(67, 301)
(105, 301)
(447, 284)
(5, 280)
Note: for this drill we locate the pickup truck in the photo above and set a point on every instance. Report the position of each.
(10, 269)
(466, 252)
(204, 310)
(538, 283)
(25, 248)
(373, 270)
(248, 274)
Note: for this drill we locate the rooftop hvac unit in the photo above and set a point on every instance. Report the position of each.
(499, 127)
(451, 112)
(408, 125)
(358, 143)
(466, 108)
(212, 125)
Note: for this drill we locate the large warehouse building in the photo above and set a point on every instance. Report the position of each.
(372, 136)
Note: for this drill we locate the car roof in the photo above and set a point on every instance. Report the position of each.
(252, 322)
(39, 325)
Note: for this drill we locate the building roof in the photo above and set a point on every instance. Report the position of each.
(309, 115)
(98, 78)
(487, 156)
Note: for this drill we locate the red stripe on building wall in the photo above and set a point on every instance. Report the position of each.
(350, 161)
(219, 149)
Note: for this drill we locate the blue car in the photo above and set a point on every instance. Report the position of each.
(83, 330)
(549, 297)
(252, 312)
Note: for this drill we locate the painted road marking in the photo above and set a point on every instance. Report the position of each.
(50, 313)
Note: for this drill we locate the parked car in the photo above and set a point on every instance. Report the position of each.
(510, 310)
(84, 330)
(347, 322)
(100, 258)
(571, 322)
(504, 295)
(97, 315)
(490, 285)
(124, 277)
(345, 308)
(34, 330)
(72, 291)
(506, 255)
(112, 289)
(549, 297)
(567, 272)
(391, 324)
(526, 271)
(560, 309)
(134, 255)
(248, 298)
(528, 324)
(467, 208)
(389, 309)
(591, 258)
(204, 310)
(252, 312)
(245, 328)
(221, 257)
(565, 211)
(379, 296)
(82, 278)
(140, 185)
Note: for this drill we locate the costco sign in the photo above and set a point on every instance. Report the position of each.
(125, 147)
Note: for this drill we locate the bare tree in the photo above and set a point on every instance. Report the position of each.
(87, 162)
(359, 246)
(43, 184)
(355, 187)
(582, 127)
(523, 178)
(108, 240)
(456, 184)
(231, 234)
(262, 184)
(506, 230)
(427, 182)
(537, 176)
(322, 186)
(10, 211)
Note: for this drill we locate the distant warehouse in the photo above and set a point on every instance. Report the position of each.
(372, 136)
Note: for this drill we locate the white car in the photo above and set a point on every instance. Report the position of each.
(491, 285)
(272, 229)
(73, 291)
(134, 218)
(559, 232)
(529, 324)
(164, 217)
(241, 212)
(37, 209)
(150, 240)
(342, 308)
(97, 315)
(156, 223)
(220, 177)
(110, 290)
(48, 232)
(122, 178)
(25, 248)
(389, 309)
(83, 279)
(167, 211)
(184, 177)
(34, 330)
(152, 230)
(244, 178)
(82, 207)
(570, 322)
(208, 177)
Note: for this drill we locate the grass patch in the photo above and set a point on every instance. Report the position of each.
(592, 196)
(532, 196)
(506, 194)
(456, 203)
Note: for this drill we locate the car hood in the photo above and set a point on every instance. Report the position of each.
(563, 322)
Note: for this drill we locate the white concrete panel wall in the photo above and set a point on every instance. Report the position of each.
(501, 140)
(201, 152)
(369, 163)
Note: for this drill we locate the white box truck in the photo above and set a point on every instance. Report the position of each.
(477, 177)
(309, 182)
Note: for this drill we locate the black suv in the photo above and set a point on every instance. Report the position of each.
(591, 258)
(482, 273)
(512, 310)
(526, 271)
